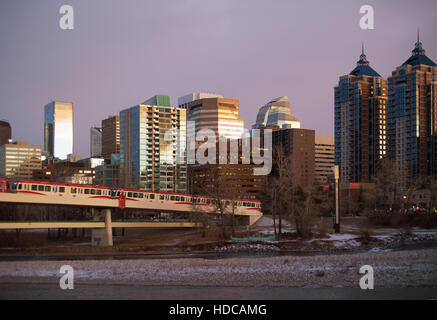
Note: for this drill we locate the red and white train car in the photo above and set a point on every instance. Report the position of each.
(97, 196)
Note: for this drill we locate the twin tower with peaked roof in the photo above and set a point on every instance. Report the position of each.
(394, 119)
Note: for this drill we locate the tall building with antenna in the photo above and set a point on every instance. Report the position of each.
(412, 116)
(360, 122)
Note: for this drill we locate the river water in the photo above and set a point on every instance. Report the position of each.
(131, 292)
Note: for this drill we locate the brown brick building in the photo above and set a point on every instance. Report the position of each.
(299, 145)
(5, 132)
(236, 181)
(110, 136)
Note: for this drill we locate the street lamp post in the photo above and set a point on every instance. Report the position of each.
(337, 200)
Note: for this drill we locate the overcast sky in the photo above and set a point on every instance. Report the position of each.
(122, 52)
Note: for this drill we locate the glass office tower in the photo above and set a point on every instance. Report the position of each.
(95, 142)
(58, 129)
(153, 146)
(276, 113)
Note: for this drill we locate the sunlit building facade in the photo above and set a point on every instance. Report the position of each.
(18, 160)
(217, 114)
(58, 129)
(153, 146)
(324, 158)
(276, 113)
(360, 122)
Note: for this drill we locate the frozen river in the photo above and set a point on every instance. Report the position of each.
(85, 291)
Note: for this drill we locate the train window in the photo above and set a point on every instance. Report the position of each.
(62, 189)
(40, 188)
(99, 192)
(135, 195)
(93, 191)
(182, 198)
(161, 197)
(73, 190)
(87, 191)
(172, 198)
(47, 189)
(129, 194)
(20, 186)
(140, 195)
(152, 196)
(34, 187)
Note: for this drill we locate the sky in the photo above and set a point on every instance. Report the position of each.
(122, 52)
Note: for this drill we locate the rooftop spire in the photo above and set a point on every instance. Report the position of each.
(418, 48)
(363, 59)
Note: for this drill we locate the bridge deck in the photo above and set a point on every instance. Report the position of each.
(94, 224)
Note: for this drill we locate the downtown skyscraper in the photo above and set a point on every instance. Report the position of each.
(360, 122)
(217, 114)
(58, 129)
(412, 117)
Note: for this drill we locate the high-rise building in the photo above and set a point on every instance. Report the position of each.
(299, 146)
(183, 101)
(412, 117)
(153, 146)
(110, 136)
(5, 132)
(324, 158)
(58, 129)
(217, 114)
(95, 142)
(360, 122)
(18, 160)
(276, 113)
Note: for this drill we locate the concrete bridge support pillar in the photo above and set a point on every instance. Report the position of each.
(103, 237)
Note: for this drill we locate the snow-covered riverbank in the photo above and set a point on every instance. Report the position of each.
(416, 268)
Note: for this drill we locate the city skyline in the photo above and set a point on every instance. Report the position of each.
(95, 67)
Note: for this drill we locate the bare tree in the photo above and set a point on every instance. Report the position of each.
(215, 190)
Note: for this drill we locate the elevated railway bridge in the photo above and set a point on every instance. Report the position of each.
(102, 201)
